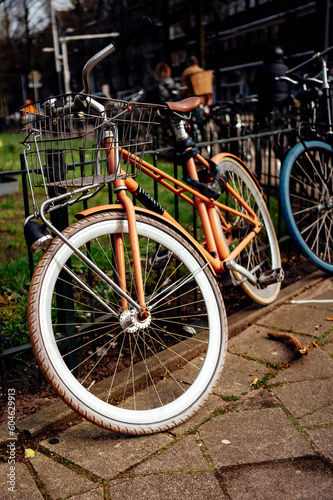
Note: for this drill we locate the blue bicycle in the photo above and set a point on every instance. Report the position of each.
(306, 182)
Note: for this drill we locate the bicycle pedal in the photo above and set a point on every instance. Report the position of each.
(271, 276)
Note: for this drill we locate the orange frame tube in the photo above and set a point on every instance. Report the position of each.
(132, 230)
(215, 242)
(218, 251)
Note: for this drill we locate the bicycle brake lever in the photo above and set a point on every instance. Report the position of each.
(52, 109)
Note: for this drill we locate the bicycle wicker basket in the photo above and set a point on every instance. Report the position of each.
(202, 83)
(71, 149)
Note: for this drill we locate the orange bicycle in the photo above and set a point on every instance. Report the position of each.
(125, 312)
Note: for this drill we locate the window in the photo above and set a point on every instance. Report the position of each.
(236, 6)
(178, 58)
(176, 31)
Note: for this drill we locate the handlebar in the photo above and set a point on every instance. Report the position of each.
(286, 79)
(300, 80)
(315, 57)
(92, 63)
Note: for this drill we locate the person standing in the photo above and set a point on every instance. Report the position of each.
(272, 93)
(187, 84)
(165, 82)
(205, 93)
(185, 81)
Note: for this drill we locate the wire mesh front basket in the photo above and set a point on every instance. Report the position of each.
(74, 149)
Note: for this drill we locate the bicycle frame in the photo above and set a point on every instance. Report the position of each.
(214, 225)
(215, 242)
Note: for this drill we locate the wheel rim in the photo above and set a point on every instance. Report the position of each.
(263, 247)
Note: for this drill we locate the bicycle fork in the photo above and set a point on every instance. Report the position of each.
(111, 146)
(135, 250)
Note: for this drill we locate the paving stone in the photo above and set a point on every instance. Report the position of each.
(306, 398)
(97, 494)
(298, 318)
(196, 486)
(252, 436)
(323, 440)
(328, 348)
(59, 480)
(316, 365)
(253, 313)
(105, 453)
(299, 479)
(185, 455)
(238, 374)
(322, 291)
(25, 486)
(253, 400)
(212, 403)
(322, 416)
(329, 333)
(254, 342)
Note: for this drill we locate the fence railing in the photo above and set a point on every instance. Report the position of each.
(258, 151)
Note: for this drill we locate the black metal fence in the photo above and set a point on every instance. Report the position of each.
(262, 152)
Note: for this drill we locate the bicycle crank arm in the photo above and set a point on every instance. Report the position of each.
(266, 278)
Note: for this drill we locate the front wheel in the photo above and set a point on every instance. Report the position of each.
(264, 248)
(306, 192)
(123, 372)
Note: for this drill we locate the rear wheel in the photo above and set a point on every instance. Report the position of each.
(122, 372)
(264, 248)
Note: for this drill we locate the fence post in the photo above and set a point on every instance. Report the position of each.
(26, 206)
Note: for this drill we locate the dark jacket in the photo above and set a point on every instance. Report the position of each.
(271, 92)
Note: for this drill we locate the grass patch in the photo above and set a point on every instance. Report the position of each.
(264, 382)
(215, 413)
(14, 284)
(230, 398)
(10, 149)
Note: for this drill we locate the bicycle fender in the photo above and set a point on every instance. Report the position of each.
(173, 223)
(217, 158)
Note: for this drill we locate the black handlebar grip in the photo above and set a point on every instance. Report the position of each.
(132, 33)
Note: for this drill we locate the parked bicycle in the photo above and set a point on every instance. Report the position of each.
(228, 122)
(125, 311)
(306, 182)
